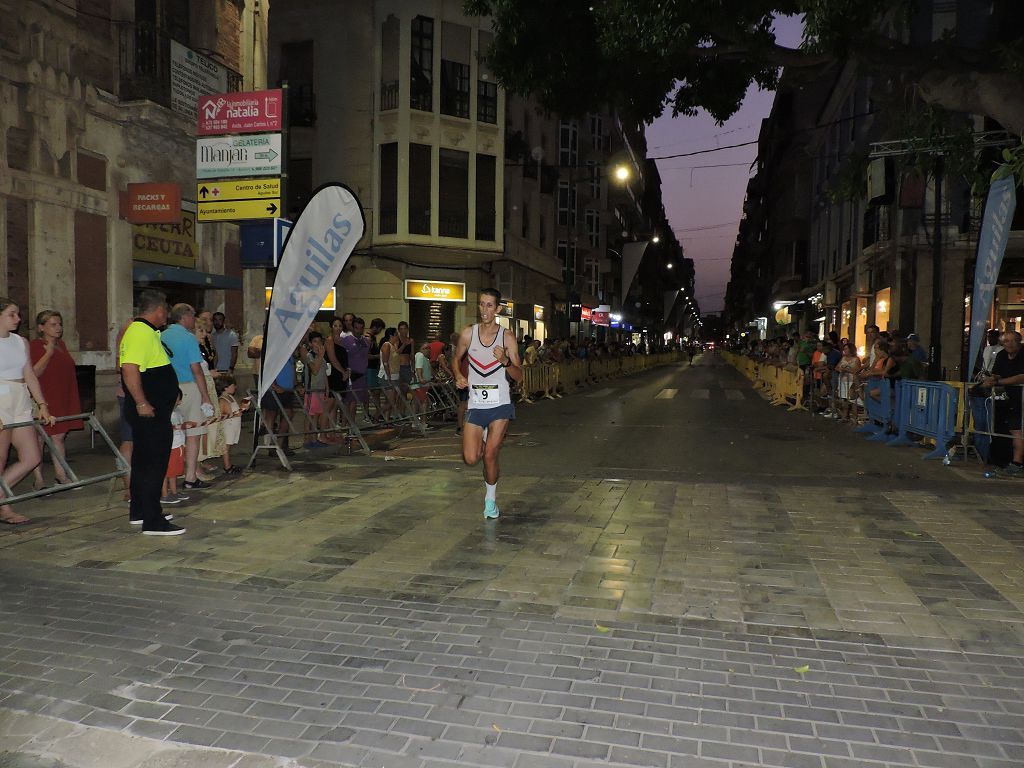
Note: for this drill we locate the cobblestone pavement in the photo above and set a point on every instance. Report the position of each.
(359, 612)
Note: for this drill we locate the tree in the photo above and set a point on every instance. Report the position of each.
(645, 55)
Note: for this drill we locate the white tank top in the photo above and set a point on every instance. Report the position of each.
(488, 385)
(12, 358)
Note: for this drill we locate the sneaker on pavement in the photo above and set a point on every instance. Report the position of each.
(491, 510)
(197, 485)
(170, 500)
(167, 529)
(181, 496)
(1012, 470)
(138, 520)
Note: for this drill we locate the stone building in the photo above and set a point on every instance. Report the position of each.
(94, 95)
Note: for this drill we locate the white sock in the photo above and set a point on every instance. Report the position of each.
(492, 492)
(485, 434)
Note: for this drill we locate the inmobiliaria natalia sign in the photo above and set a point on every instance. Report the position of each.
(241, 112)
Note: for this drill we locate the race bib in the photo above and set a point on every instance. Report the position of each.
(484, 396)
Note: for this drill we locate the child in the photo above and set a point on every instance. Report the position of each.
(231, 416)
(318, 404)
(176, 464)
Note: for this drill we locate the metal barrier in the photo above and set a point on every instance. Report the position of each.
(882, 421)
(930, 409)
(75, 481)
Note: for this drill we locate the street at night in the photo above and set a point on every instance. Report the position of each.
(681, 576)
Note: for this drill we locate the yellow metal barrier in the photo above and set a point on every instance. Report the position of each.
(781, 385)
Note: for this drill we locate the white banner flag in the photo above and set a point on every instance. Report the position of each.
(317, 248)
(632, 255)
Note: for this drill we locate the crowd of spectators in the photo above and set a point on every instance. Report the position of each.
(838, 376)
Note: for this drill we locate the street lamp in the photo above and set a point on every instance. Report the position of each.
(622, 172)
(655, 239)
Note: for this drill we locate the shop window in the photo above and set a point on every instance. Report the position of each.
(845, 315)
(387, 223)
(862, 322)
(419, 189)
(883, 308)
(453, 178)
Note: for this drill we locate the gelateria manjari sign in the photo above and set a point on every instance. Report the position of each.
(434, 290)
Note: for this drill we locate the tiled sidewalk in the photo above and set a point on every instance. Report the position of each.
(942, 571)
(333, 680)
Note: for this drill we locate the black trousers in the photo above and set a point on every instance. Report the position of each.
(151, 448)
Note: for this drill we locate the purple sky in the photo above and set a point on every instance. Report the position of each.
(704, 197)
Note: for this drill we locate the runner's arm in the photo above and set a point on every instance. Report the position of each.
(513, 366)
(460, 352)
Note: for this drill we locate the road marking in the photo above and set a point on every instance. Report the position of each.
(734, 394)
(600, 392)
(701, 394)
(666, 394)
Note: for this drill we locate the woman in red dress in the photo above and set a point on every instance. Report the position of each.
(56, 372)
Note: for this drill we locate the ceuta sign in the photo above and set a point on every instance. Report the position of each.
(434, 290)
(240, 112)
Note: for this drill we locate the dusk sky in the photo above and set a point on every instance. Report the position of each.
(704, 204)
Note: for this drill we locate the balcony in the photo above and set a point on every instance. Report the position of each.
(144, 65)
(388, 95)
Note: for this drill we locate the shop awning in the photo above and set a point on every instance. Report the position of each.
(161, 273)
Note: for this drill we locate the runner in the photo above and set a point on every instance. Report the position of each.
(492, 353)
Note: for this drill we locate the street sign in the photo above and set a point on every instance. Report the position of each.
(243, 189)
(243, 112)
(263, 241)
(234, 210)
(151, 203)
(233, 156)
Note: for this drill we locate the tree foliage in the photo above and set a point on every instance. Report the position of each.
(644, 56)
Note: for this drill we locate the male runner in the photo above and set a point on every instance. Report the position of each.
(492, 353)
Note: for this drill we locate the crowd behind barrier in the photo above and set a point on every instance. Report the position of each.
(887, 399)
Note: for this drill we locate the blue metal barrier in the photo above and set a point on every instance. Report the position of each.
(927, 408)
(881, 413)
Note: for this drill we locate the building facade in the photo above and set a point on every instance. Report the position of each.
(842, 258)
(94, 96)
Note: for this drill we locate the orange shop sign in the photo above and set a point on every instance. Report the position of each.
(434, 290)
(151, 203)
(171, 244)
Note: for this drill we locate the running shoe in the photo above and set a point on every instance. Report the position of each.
(197, 485)
(491, 510)
(170, 499)
(1012, 470)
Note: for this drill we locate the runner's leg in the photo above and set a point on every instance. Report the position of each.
(472, 444)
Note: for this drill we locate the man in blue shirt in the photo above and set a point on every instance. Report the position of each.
(280, 397)
(183, 349)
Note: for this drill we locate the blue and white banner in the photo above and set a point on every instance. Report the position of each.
(995, 229)
(317, 248)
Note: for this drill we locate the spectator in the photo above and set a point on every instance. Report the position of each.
(1008, 372)
(847, 370)
(278, 404)
(357, 350)
(422, 374)
(532, 355)
(992, 348)
(373, 380)
(882, 368)
(203, 329)
(338, 375)
(436, 349)
(919, 353)
(55, 369)
(176, 461)
(151, 388)
(196, 407)
(906, 365)
(319, 403)
(405, 346)
(389, 373)
(225, 344)
(870, 339)
(231, 415)
(126, 446)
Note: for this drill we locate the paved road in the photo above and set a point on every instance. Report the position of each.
(682, 576)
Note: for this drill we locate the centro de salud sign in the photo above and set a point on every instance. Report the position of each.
(434, 290)
(240, 112)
